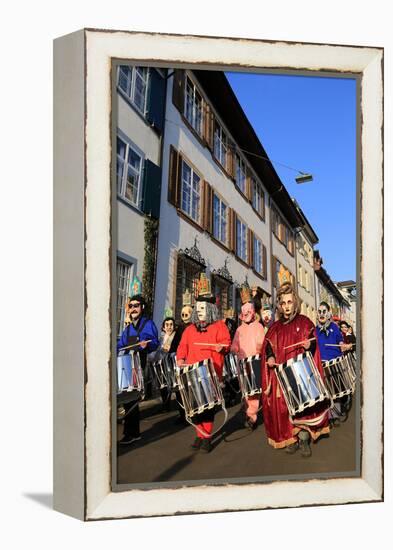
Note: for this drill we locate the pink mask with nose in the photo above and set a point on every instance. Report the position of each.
(247, 313)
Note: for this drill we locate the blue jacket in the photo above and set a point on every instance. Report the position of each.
(148, 332)
(334, 336)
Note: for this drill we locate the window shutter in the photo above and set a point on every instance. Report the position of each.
(263, 204)
(249, 186)
(208, 126)
(232, 230)
(264, 262)
(230, 167)
(151, 192)
(207, 220)
(156, 100)
(250, 247)
(174, 182)
(178, 89)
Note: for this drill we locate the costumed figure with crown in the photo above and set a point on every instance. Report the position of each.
(248, 341)
(206, 337)
(290, 335)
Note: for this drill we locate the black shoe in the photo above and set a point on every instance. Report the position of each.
(206, 446)
(197, 444)
(305, 449)
(128, 439)
(335, 423)
(291, 449)
(250, 425)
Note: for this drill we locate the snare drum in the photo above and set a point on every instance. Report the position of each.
(160, 374)
(301, 383)
(338, 378)
(230, 370)
(250, 376)
(164, 372)
(351, 362)
(129, 373)
(199, 387)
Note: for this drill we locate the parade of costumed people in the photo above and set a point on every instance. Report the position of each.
(292, 334)
(247, 343)
(140, 335)
(207, 338)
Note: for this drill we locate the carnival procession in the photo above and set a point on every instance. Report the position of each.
(295, 379)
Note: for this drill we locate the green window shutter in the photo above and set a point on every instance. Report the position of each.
(156, 100)
(151, 193)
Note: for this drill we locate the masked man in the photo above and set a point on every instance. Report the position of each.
(142, 332)
(331, 346)
(292, 328)
(248, 341)
(205, 328)
(267, 316)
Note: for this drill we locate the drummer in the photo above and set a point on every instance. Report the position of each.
(141, 331)
(248, 341)
(291, 328)
(331, 346)
(205, 328)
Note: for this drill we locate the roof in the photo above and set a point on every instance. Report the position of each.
(346, 283)
(216, 86)
(324, 276)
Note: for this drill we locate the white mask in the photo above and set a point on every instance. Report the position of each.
(201, 310)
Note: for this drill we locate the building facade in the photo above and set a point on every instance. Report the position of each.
(140, 120)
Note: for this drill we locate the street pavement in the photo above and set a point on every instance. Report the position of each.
(164, 454)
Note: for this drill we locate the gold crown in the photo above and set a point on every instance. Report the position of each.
(203, 288)
(245, 294)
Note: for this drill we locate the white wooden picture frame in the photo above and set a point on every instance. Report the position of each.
(82, 245)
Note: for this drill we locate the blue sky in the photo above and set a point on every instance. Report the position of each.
(309, 123)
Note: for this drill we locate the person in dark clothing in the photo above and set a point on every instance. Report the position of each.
(349, 337)
(168, 344)
(141, 331)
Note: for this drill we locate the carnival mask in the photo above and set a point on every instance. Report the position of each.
(287, 305)
(323, 314)
(168, 327)
(247, 313)
(201, 311)
(266, 316)
(186, 314)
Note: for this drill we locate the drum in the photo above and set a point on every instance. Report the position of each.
(199, 387)
(351, 362)
(338, 378)
(230, 370)
(301, 383)
(129, 373)
(164, 372)
(250, 376)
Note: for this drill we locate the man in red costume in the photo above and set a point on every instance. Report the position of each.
(205, 328)
(291, 328)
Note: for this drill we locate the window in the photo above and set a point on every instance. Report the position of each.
(241, 174)
(220, 144)
(194, 107)
(220, 213)
(187, 276)
(124, 276)
(190, 192)
(241, 239)
(300, 275)
(258, 255)
(282, 232)
(129, 172)
(133, 82)
(258, 198)
(222, 290)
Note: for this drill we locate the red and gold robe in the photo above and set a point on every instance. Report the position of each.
(280, 431)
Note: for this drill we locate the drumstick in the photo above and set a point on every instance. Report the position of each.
(206, 344)
(334, 345)
(133, 345)
(298, 343)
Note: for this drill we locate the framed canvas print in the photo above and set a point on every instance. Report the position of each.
(218, 274)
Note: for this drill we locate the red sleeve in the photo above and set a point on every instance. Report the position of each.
(182, 349)
(224, 336)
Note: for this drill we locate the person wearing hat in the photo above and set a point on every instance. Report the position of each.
(289, 336)
(143, 332)
(206, 337)
(248, 341)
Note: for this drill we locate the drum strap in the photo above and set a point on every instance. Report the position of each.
(215, 431)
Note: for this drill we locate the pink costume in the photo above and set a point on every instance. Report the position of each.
(248, 340)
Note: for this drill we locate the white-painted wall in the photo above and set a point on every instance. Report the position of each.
(176, 233)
